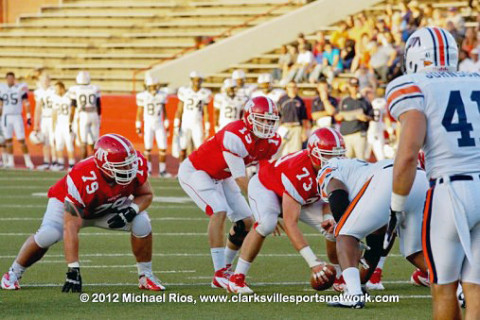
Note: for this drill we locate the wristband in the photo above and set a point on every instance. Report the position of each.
(138, 124)
(309, 256)
(327, 216)
(74, 265)
(135, 207)
(176, 122)
(397, 203)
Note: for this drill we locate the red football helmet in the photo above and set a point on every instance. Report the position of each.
(325, 142)
(261, 117)
(116, 157)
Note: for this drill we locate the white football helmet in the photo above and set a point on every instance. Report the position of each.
(83, 77)
(229, 83)
(265, 78)
(195, 74)
(238, 74)
(431, 49)
(36, 137)
(150, 80)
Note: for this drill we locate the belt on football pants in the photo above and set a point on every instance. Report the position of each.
(457, 177)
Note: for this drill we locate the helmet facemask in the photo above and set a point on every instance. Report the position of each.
(321, 156)
(264, 125)
(122, 172)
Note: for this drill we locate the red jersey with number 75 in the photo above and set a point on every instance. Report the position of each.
(236, 139)
(293, 174)
(86, 187)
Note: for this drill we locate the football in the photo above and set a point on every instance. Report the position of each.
(320, 284)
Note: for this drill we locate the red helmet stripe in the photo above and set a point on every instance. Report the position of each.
(114, 136)
(441, 46)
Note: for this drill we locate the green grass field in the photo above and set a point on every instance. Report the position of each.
(181, 260)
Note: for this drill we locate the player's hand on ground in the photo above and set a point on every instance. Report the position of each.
(278, 229)
(321, 271)
(328, 225)
(122, 218)
(73, 283)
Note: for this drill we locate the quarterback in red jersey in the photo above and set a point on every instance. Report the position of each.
(288, 187)
(214, 176)
(108, 190)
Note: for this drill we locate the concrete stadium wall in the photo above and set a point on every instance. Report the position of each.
(259, 39)
(12, 9)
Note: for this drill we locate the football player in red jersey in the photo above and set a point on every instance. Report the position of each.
(288, 187)
(214, 177)
(97, 193)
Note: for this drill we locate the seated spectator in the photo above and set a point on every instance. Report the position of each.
(284, 60)
(301, 39)
(347, 54)
(320, 37)
(324, 106)
(450, 27)
(303, 65)
(331, 66)
(362, 53)
(470, 40)
(339, 37)
(464, 62)
(317, 51)
(382, 58)
(293, 53)
(366, 77)
(457, 19)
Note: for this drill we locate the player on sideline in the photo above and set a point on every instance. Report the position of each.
(438, 109)
(192, 112)
(151, 109)
(86, 100)
(288, 186)
(62, 111)
(43, 121)
(95, 193)
(228, 105)
(265, 88)
(358, 194)
(242, 89)
(12, 97)
(214, 176)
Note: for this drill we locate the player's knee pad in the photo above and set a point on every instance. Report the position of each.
(375, 242)
(48, 235)
(265, 228)
(239, 233)
(339, 202)
(141, 226)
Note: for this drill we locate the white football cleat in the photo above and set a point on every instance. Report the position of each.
(165, 174)
(220, 279)
(150, 282)
(237, 284)
(43, 167)
(57, 167)
(375, 282)
(10, 281)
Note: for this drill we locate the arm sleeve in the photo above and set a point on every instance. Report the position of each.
(235, 164)
(217, 101)
(404, 95)
(291, 189)
(234, 145)
(140, 102)
(73, 194)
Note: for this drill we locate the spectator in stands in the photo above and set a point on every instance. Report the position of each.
(318, 52)
(382, 57)
(359, 28)
(427, 19)
(362, 54)
(303, 65)
(354, 113)
(438, 18)
(284, 60)
(450, 27)
(339, 37)
(324, 106)
(470, 40)
(457, 19)
(417, 14)
(288, 68)
(319, 38)
(347, 53)
(464, 62)
(301, 40)
(294, 123)
(366, 77)
(331, 65)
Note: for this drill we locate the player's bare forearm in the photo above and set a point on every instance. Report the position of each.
(72, 115)
(291, 213)
(411, 140)
(139, 114)
(71, 226)
(242, 182)
(143, 196)
(178, 113)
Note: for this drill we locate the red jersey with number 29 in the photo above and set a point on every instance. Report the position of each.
(236, 139)
(292, 174)
(86, 187)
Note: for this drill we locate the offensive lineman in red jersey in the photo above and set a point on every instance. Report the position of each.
(288, 187)
(214, 176)
(96, 192)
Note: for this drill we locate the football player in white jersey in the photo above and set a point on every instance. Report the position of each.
(151, 109)
(242, 89)
(43, 120)
(13, 97)
(61, 115)
(228, 105)
(265, 88)
(438, 109)
(191, 114)
(86, 99)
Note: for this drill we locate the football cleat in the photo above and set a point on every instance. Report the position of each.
(461, 296)
(57, 167)
(165, 174)
(10, 281)
(346, 300)
(220, 279)
(150, 282)
(237, 284)
(44, 166)
(420, 278)
(339, 284)
(375, 282)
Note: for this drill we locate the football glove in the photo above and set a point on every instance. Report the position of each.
(73, 283)
(396, 218)
(122, 218)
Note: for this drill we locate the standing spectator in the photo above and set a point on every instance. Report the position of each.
(293, 53)
(294, 122)
(283, 61)
(339, 37)
(354, 112)
(366, 77)
(382, 58)
(303, 65)
(470, 40)
(324, 106)
(331, 66)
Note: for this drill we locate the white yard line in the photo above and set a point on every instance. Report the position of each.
(153, 219)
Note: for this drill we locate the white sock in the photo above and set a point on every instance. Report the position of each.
(144, 268)
(352, 280)
(162, 166)
(71, 162)
(381, 262)
(229, 255)
(46, 159)
(338, 270)
(61, 161)
(10, 160)
(4, 158)
(17, 269)
(149, 166)
(218, 258)
(242, 266)
(28, 161)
